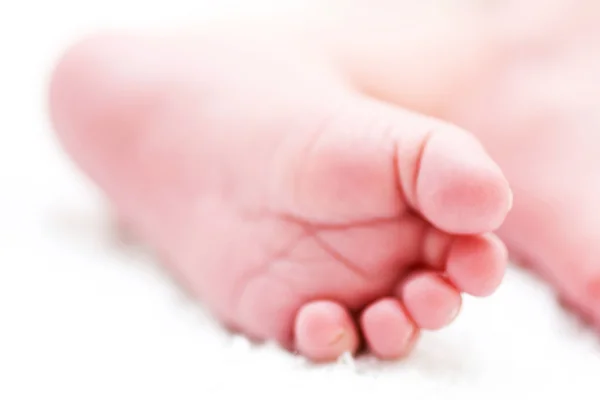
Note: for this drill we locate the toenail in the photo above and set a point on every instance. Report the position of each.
(337, 337)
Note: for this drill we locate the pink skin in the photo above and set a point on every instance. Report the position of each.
(388, 329)
(431, 301)
(279, 193)
(540, 120)
(535, 109)
(324, 330)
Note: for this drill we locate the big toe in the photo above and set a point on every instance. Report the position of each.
(372, 159)
(458, 186)
(447, 175)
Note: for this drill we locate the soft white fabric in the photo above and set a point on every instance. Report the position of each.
(82, 317)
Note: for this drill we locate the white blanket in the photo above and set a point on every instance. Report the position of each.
(82, 317)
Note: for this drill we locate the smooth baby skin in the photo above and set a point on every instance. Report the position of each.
(296, 205)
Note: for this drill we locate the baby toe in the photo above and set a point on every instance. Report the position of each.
(389, 332)
(430, 300)
(476, 264)
(325, 330)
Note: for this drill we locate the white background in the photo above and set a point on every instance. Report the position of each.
(82, 317)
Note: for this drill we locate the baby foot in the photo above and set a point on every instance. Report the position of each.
(539, 117)
(298, 209)
(536, 111)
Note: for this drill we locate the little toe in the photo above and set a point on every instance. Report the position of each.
(430, 300)
(324, 331)
(389, 332)
(476, 264)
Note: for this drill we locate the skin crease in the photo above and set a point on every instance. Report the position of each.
(261, 187)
